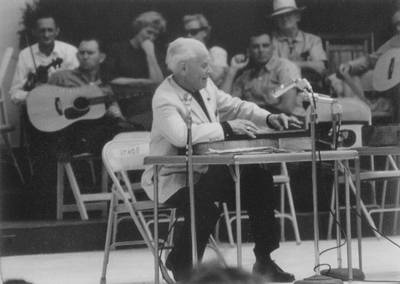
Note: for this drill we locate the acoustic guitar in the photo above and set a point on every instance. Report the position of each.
(52, 108)
(387, 70)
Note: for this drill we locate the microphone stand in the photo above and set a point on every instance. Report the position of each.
(318, 278)
(189, 165)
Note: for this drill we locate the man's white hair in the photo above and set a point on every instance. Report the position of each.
(181, 50)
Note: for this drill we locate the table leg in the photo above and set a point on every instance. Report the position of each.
(156, 260)
(358, 204)
(348, 224)
(238, 217)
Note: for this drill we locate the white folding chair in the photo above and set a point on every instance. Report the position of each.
(85, 202)
(134, 187)
(119, 157)
(5, 127)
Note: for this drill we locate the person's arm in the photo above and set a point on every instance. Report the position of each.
(238, 62)
(316, 65)
(155, 73)
(316, 55)
(131, 81)
(290, 102)
(113, 109)
(18, 94)
(367, 62)
(71, 61)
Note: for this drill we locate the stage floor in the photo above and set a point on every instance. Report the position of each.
(381, 262)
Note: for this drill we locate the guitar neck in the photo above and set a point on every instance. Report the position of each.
(132, 93)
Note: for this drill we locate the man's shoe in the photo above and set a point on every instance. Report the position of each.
(178, 273)
(272, 272)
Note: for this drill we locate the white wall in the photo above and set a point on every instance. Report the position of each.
(10, 23)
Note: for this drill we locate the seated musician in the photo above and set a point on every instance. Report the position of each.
(367, 62)
(38, 59)
(35, 65)
(215, 116)
(196, 26)
(302, 48)
(264, 73)
(137, 60)
(88, 135)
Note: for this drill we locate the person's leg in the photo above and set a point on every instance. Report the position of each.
(259, 198)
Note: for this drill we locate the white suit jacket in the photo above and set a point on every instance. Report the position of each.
(169, 129)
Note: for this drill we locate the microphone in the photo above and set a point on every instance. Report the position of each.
(320, 98)
(302, 84)
(188, 99)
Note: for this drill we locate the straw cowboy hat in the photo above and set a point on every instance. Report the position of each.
(285, 6)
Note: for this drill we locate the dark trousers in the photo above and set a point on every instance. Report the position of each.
(217, 185)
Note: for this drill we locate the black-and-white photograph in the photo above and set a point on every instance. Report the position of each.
(199, 141)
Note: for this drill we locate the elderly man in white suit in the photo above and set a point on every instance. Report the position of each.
(215, 116)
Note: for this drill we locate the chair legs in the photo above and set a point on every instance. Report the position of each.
(11, 152)
(110, 230)
(390, 162)
(94, 201)
(334, 205)
(394, 173)
(111, 243)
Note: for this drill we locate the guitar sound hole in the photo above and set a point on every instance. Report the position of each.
(81, 103)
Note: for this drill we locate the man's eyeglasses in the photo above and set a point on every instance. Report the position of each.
(194, 32)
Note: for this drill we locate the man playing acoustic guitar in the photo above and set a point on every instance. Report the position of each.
(42, 59)
(36, 64)
(367, 62)
(88, 135)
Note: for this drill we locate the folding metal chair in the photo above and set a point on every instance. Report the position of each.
(357, 111)
(83, 201)
(5, 127)
(119, 157)
(86, 201)
(124, 153)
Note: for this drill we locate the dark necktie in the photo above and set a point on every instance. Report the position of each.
(196, 95)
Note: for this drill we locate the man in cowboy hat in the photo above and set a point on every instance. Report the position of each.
(302, 48)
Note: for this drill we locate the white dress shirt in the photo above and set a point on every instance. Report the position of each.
(26, 65)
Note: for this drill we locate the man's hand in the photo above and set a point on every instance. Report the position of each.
(239, 61)
(148, 46)
(344, 69)
(282, 121)
(243, 126)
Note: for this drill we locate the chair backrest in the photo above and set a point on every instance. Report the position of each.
(145, 135)
(5, 62)
(343, 48)
(122, 174)
(125, 155)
